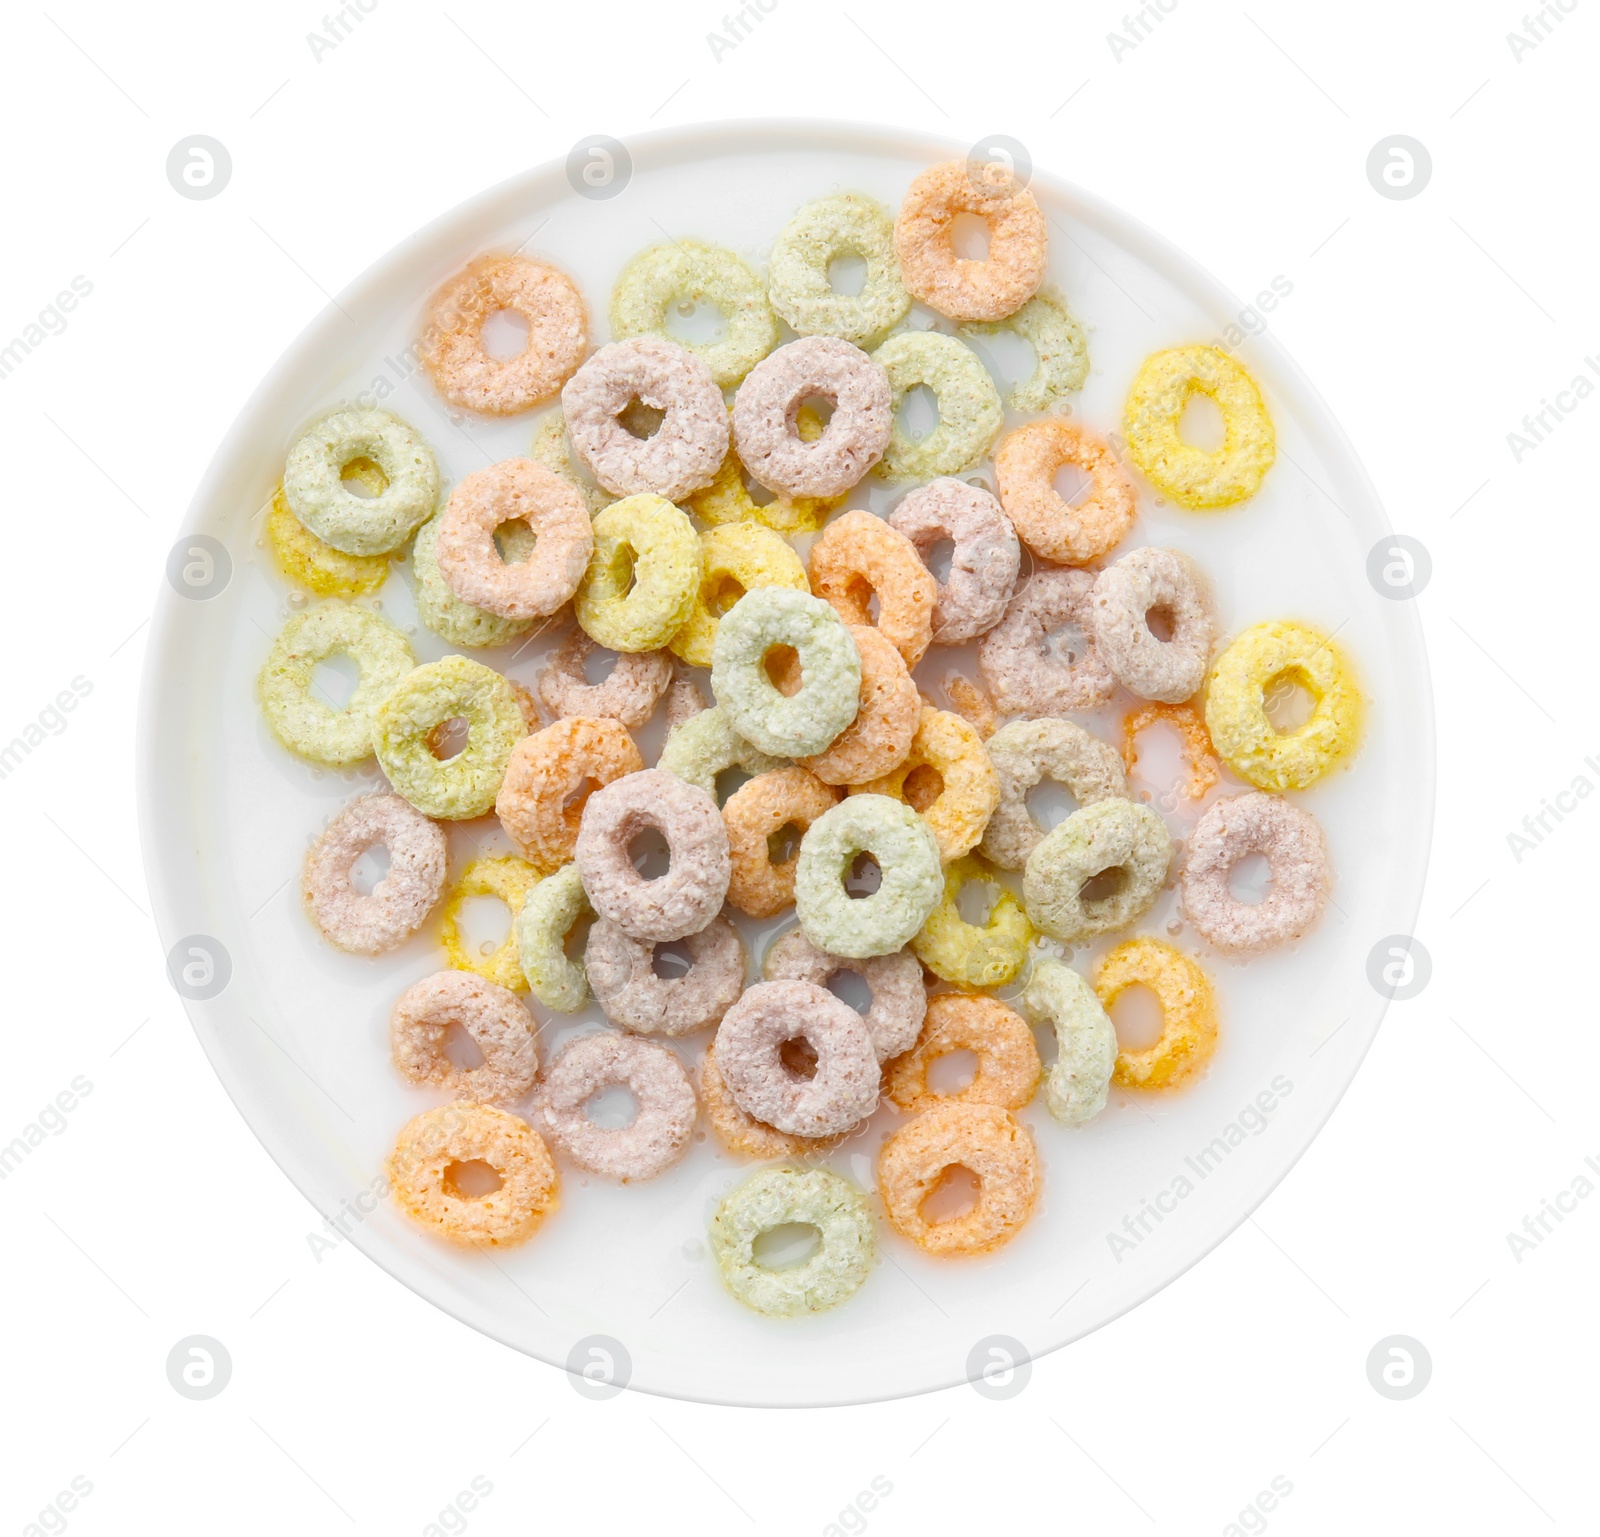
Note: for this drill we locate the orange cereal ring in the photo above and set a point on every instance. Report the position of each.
(1008, 1060)
(451, 347)
(1188, 1012)
(742, 1134)
(948, 778)
(755, 813)
(971, 704)
(859, 555)
(1025, 466)
(990, 1142)
(1003, 281)
(548, 780)
(428, 1152)
(1197, 750)
(878, 739)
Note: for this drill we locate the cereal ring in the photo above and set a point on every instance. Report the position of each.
(983, 564)
(682, 454)
(1192, 477)
(422, 1171)
(946, 776)
(859, 556)
(553, 449)
(511, 880)
(334, 735)
(461, 624)
(911, 881)
(313, 481)
(1297, 857)
(514, 491)
(843, 1090)
(970, 413)
(845, 224)
(733, 558)
(766, 431)
(451, 347)
(548, 780)
(656, 1138)
(807, 721)
(1027, 751)
(971, 704)
(671, 906)
(773, 1198)
(642, 582)
(755, 814)
(497, 1022)
(692, 272)
(1008, 1060)
(1068, 533)
(428, 696)
(549, 913)
(684, 701)
(743, 1135)
(1267, 654)
(1110, 835)
(1007, 277)
(1059, 346)
(622, 973)
(1086, 1044)
(987, 954)
(899, 999)
(887, 711)
(371, 923)
(1185, 719)
(705, 746)
(1145, 582)
(728, 498)
(636, 681)
(990, 1142)
(1034, 669)
(318, 567)
(1188, 1011)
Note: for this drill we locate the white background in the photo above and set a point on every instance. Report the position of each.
(1432, 325)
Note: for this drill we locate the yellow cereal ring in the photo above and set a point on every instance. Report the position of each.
(1280, 651)
(1008, 1060)
(734, 558)
(1188, 1012)
(987, 954)
(318, 567)
(947, 776)
(643, 577)
(729, 500)
(1192, 477)
(510, 879)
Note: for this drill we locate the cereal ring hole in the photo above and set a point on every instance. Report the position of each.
(798, 1057)
(729, 780)
(919, 412)
(1161, 622)
(335, 678)
(1011, 360)
(598, 664)
(820, 406)
(459, 1049)
(1050, 802)
(1249, 879)
(671, 959)
(483, 923)
(847, 273)
(695, 322)
(471, 1179)
(1137, 1018)
(782, 666)
(1064, 644)
(720, 592)
(369, 868)
(783, 845)
(864, 878)
(449, 737)
(514, 541)
(612, 1106)
(952, 1196)
(923, 786)
(938, 558)
(1201, 424)
(504, 335)
(1289, 700)
(952, 1072)
(1103, 885)
(640, 419)
(786, 1246)
(850, 988)
(649, 853)
(1072, 482)
(975, 902)
(969, 237)
(361, 477)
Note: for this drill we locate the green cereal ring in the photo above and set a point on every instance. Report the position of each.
(969, 405)
(1058, 343)
(911, 880)
(805, 722)
(987, 954)
(553, 449)
(1086, 1043)
(846, 224)
(705, 745)
(447, 615)
(735, 557)
(692, 271)
(465, 785)
(314, 487)
(322, 732)
(1109, 835)
(772, 1198)
(546, 917)
(643, 577)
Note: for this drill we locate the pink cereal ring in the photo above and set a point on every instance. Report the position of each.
(1297, 858)
(983, 564)
(1032, 669)
(841, 1093)
(371, 923)
(1145, 582)
(688, 448)
(622, 972)
(629, 693)
(899, 996)
(523, 491)
(768, 404)
(496, 1019)
(1025, 466)
(659, 1134)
